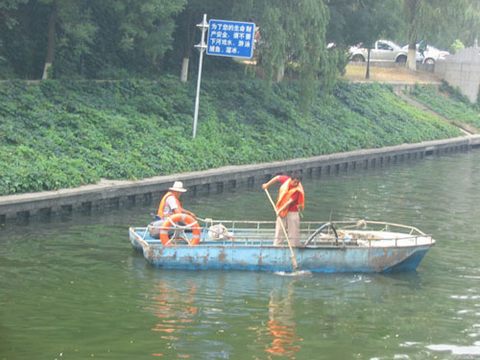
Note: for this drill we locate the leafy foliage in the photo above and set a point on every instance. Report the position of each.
(60, 134)
(449, 103)
(91, 39)
(364, 21)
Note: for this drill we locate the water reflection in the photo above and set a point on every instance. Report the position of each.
(76, 288)
(281, 323)
(215, 314)
(175, 311)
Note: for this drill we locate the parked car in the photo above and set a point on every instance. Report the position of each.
(430, 54)
(382, 50)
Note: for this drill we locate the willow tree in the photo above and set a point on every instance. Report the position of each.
(461, 22)
(364, 21)
(94, 32)
(292, 34)
(69, 25)
(413, 10)
(292, 38)
(425, 18)
(8, 22)
(146, 27)
(187, 32)
(8, 12)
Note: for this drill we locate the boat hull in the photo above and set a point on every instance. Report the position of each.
(320, 259)
(270, 258)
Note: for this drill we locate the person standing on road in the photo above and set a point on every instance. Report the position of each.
(291, 200)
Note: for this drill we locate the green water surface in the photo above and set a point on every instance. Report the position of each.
(74, 288)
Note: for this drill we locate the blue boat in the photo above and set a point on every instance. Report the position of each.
(326, 247)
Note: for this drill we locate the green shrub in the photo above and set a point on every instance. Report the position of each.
(448, 102)
(60, 134)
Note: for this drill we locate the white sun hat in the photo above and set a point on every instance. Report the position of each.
(178, 186)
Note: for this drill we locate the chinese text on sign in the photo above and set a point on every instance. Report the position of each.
(230, 38)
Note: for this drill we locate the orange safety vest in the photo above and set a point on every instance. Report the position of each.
(163, 202)
(285, 194)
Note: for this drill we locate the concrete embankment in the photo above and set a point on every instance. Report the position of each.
(118, 194)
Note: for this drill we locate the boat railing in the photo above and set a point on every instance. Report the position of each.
(263, 231)
(314, 233)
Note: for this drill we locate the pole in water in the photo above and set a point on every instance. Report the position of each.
(201, 47)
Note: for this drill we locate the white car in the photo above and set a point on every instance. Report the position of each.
(431, 54)
(382, 50)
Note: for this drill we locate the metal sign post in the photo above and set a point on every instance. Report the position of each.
(201, 47)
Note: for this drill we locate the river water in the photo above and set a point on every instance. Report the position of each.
(74, 289)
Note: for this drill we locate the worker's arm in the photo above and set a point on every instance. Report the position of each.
(270, 182)
(181, 210)
(189, 213)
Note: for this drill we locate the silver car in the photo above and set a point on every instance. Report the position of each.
(431, 54)
(382, 50)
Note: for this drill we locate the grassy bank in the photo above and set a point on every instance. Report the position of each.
(65, 134)
(449, 103)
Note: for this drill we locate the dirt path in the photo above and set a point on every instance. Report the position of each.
(392, 75)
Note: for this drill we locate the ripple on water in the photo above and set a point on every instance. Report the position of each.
(472, 350)
(76, 288)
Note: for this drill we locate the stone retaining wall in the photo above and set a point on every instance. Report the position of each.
(119, 194)
(462, 71)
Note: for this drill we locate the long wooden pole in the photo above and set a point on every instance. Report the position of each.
(294, 259)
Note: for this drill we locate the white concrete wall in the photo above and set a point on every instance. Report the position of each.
(462, 71)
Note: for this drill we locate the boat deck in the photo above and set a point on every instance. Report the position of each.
(313, 234)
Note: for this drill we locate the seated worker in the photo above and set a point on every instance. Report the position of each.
(170, 203)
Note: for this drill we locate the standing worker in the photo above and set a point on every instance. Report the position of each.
(291, 200)
(170, 203)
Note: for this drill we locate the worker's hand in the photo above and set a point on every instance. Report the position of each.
(264, 186)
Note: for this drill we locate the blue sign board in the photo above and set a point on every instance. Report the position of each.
(230, 38)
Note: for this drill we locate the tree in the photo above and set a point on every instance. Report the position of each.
(52, 21)
(364, 21)
(71, 29)
(8, 12)
(87, 38)
(292, 39)
(8, 21)
(146, 27)
(438, 19)
(292, 36)
(462, 24)
(187, 31)
(413, 10)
